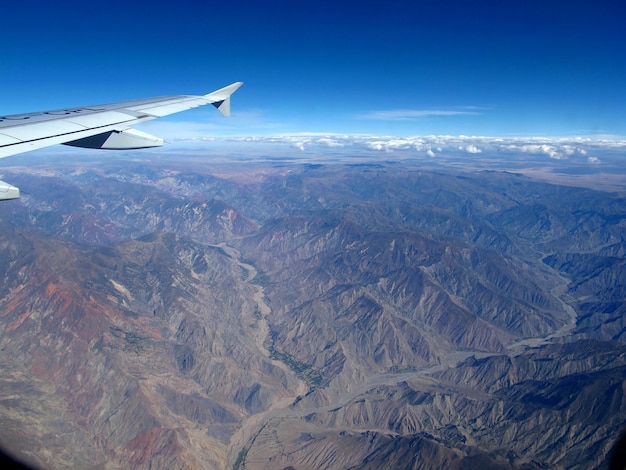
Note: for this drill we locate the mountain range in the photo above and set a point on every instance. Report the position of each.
(183, 313)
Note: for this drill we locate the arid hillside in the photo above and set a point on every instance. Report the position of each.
(183, 314)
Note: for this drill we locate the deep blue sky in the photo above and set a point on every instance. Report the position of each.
(373, 67)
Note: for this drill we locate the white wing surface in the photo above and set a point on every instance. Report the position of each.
(106, 126)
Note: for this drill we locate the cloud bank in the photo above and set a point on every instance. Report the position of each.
(561, 148)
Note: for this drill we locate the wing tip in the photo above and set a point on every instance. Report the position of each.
(221, 98)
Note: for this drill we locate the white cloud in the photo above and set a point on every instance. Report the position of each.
(375, 145)
(472, 149)
(300, 145)
(328, 142)
(513, 149)
(557, 148)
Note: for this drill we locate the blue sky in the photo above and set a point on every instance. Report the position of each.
(498, 68)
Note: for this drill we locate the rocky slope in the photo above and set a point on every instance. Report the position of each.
(185, 315)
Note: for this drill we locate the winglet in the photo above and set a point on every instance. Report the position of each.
(221, 98)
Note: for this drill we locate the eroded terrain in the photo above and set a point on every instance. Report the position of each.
(161, 315)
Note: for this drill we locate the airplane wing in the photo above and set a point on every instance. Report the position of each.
(106, 126)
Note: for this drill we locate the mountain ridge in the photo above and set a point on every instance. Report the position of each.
(222, 317)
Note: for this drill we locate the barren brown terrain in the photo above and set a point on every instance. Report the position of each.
(182, 314)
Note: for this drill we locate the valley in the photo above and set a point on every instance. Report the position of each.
(269, 315)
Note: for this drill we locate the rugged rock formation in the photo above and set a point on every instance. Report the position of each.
(194, 316)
